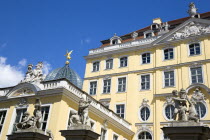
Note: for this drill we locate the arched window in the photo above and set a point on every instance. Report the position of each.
(169, 112)
(145, 136)
(201, 109)
(144, 113)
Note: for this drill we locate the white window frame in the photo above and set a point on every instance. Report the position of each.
(164, 111)
(163, 54)
(14, 115)
(150, 74)
(103, 86)
(112, 63)
(204, 103)
(125, 76)
(98, 66)
(4, 109)
(96, 86)
(139, 113)
(163, 78)
(141, 60)
(190, 76)
(123, 103)
(122, 57)
(49, 115)
(106, 136)
(145, 131)
(113, 133)
(188, 48)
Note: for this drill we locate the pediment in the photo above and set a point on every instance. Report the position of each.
(25, 89)
(190, 28)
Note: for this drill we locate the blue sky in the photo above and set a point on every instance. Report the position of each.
(42, 30)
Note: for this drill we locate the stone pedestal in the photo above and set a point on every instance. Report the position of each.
(79, 134)
(187, 131)
(28, 135)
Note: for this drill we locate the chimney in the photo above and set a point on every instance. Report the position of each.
(157, 20)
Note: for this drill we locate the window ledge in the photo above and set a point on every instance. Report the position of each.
(168, 60)
(123, 67)
(121, 92)
(145, 63)
(108, 69)
(106, 93)
(169, 87)
(194, 55)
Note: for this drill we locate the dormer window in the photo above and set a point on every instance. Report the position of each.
(115, 40)
(154, 26)
(148, 34)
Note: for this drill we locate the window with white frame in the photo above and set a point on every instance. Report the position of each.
(145, 82)
(19, 117)
(194, 49)
(201, 109)
(107, 86)
(196, 75)
(45, 116)
(169, 112)
(93, 87)
(168, 53)
(103, 134)
(120, 110)
(144, 113)
(96, 66)
(122, 84)
(124, 61)
(115, 137)
(2, 118)
(144, 136)
(109, 64)
(145, 58)
(169, 78)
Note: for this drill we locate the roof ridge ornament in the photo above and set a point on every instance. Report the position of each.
(192, 10)
(68, 56)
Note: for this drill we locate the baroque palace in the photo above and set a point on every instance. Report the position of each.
(129, 80)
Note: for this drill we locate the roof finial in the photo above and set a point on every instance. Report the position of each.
(193, 10)
(68, 57)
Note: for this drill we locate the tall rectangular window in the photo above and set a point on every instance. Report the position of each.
(2, 118)
(196, 75)
(145, 58)
(45, 115)
(103, 134)
(169, 78)
(122, 84)
(93, 87)
(195, 49)
(109, 64)
(145, 82)
(115, 137)
(19, 117)
(120, 110)
(96, 66)
(107, 86)
(169, 54)
(123, 61)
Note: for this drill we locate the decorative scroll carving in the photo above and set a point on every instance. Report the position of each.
(22, 102)
(134, 35)
(144, 103)
(198, 96)
(35, 75)
(193, 29)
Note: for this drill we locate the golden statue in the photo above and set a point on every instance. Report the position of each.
(68, 57)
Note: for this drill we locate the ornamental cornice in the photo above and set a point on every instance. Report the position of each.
(201, 62)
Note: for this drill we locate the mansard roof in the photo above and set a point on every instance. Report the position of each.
(173, 24)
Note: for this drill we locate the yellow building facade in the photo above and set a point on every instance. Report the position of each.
(59, 93)
(135, 74)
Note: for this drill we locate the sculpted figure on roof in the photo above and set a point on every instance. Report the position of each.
(35, 75)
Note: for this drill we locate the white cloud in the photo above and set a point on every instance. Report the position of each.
(22, 62)
(9, 75)
(46, 67)
(85, 41)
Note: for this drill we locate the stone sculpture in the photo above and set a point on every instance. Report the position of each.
(81, 117)
(193, 10)
(180, 105)
(181, 110)
(31, 122)
(35, 75)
